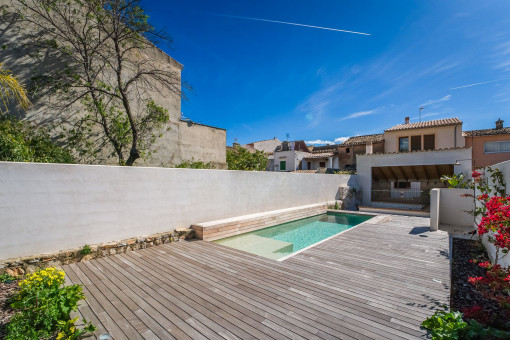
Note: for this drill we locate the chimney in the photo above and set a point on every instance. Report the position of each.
(499, 123)
(407, 120)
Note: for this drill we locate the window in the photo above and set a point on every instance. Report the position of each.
(429, 142)
(283, 165)
(402, 185)
(403, 144)
(322, 164)
(495, 147)
(415, 143)
(347, 150)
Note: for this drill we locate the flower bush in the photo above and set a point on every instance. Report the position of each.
(44, 305)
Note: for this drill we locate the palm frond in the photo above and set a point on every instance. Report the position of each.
(12, 89)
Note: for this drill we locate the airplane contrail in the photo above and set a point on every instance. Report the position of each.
(292, 23)
(475, 84)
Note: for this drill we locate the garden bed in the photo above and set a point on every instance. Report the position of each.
(7, 290)
(466, 256)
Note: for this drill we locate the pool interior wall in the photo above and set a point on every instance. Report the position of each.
(284, 239)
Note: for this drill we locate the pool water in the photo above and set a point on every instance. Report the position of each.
(284, 239)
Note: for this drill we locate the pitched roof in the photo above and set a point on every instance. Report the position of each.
(427, 124)
(330, 147)
(487, 132)
(319, 155)
(364, 139)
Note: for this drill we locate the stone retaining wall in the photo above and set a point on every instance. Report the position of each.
(28, 265)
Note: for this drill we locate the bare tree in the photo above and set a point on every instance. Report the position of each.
(109, 65)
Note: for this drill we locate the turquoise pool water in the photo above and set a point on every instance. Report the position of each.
(287, 238)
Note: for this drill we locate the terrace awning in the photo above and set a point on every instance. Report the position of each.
(412, 172)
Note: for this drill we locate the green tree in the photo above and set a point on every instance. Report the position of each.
(239, 158)
(22, 142)
(109, 65)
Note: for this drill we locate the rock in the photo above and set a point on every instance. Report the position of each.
(16, 271)
(88, 257)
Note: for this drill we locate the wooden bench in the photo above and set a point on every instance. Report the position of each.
(218, 229)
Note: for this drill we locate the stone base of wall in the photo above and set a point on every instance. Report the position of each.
(28, 265)
(215, 230)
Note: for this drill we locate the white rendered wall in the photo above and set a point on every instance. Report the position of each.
(366, 162)
(454, 207)
(50, 207)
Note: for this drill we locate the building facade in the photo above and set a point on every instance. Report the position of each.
(490, 146)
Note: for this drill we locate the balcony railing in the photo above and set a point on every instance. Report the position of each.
(402, 196)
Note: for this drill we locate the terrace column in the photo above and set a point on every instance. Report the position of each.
(330, 162)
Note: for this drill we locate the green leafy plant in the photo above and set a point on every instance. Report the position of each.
(443, 325)
(44, 306)
(195, 165)
(22, 142)
(85, 250)
(6, 278)
(455, 181)
(239, 158)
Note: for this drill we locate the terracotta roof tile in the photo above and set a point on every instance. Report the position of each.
(427, 124)
(487, 132)
(319, 155)
(364, 139)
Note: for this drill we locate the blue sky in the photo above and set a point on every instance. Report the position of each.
(261, 79)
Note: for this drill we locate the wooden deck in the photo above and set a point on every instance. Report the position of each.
(376, 281)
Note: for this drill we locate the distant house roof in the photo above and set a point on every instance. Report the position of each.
(364, 139)
(487, 132)
(299, 145)
(427, 124)
(318, 155)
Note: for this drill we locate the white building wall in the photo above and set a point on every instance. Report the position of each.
(51, 207)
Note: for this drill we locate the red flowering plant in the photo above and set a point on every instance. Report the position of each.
(495, 285)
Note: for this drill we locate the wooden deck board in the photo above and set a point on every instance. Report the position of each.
(376, 281)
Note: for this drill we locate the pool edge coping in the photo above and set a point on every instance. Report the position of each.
(382, 217)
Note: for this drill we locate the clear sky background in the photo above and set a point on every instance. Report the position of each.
(260, 79)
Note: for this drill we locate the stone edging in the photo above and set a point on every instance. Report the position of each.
(28, 265)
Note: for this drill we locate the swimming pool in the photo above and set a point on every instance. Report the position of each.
(284, 239)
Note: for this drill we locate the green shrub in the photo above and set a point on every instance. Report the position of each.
(6, 278)
(195, 165)
(44, 306)
(445, 325)
(85, 250)
(22, 142)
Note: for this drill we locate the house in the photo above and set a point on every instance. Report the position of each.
(288, 156)
(267, 146)
(359, 145)
(490, 146)
(415, 157)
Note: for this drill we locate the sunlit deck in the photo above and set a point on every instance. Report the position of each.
(376, 281)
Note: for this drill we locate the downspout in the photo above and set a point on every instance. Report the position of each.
(455, 138)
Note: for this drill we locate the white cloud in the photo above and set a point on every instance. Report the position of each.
(358, 114)
(340, 140)
(320, 142)
(440, 100)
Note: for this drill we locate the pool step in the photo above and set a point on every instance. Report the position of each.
(259, 245)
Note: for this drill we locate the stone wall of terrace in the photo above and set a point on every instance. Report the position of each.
(46, 208)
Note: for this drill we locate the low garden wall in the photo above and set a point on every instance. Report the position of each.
(451, 207)
(45, 208)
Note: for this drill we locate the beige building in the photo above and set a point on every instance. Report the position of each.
(181, 140)
(415, 157)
